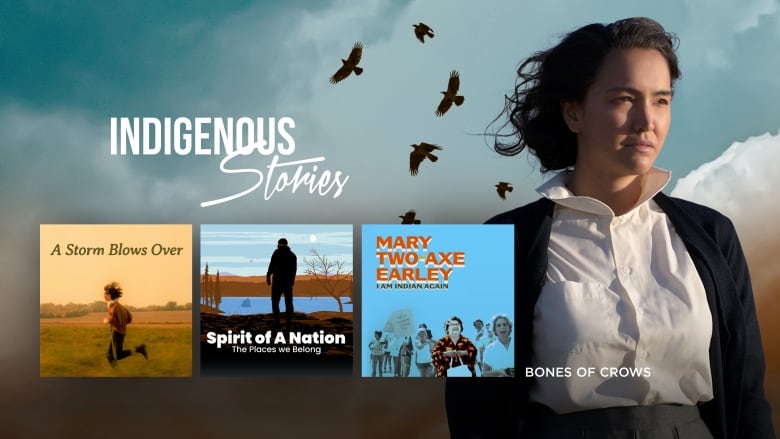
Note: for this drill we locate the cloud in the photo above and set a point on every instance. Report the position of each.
(58, 159)
(274, 63)
(742, 184)
(749, 13)
(709, 37)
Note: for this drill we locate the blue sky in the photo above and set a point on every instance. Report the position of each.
(73, 67)
(68, 68)
(245, 250)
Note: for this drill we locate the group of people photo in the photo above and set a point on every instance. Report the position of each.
(487, 350)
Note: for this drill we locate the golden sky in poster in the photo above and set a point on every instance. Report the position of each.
(152, 263)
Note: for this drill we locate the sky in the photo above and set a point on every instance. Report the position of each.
(478, 288)
(246, 249)
(152, 263)
(75, 67)
(68, 68)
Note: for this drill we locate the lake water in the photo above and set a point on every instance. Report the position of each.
(262, 305)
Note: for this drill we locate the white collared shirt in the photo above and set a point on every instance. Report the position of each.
(498, 356)
(621, 296)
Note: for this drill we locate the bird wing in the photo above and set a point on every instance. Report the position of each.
(340, 74)
(419, 32)
(415, 159)
(454, 84)
(355, 54)
(501, 193)
(429, 147)
(444, 105)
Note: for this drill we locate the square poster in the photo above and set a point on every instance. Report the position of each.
(431, 296)
(276, 300)
(115, 300)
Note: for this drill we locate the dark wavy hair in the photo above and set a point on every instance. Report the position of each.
(113, 289)
(563, 74)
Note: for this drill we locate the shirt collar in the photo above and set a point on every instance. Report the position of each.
(556, 191)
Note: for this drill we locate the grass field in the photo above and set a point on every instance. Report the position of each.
(139, 318)
(79, 350)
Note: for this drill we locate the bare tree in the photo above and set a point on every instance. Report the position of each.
(331, 275)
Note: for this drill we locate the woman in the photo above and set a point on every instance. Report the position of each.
(387, 359)
(405, 356)
(499, 357)
(423, 352)
(612, 274)
(376, 347)
(483, 336)
(454, 350)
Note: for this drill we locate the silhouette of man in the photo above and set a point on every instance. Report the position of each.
(282, 268)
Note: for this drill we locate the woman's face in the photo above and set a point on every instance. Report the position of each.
(453, 328)
(502, 327)
(622, 123)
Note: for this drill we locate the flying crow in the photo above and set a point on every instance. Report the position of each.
(349, 65)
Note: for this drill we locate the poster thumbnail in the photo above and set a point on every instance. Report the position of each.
(115, 300)
(276, 300)
(435, 297)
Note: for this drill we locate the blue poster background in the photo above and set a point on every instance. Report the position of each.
(483, 287)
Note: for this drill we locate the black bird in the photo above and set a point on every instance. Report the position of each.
(451, 95)
(421, 152)
(349, 65)
(408, 218)
(421, 30)
(502, 188)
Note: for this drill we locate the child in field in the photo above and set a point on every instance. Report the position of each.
(118, 318)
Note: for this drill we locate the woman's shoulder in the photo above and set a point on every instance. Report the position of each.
(706, 217)
(529, 212)
(466, 340)
(444, 340)
(491, 344)
(694, 209)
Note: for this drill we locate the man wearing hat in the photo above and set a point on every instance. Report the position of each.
(281, 270)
